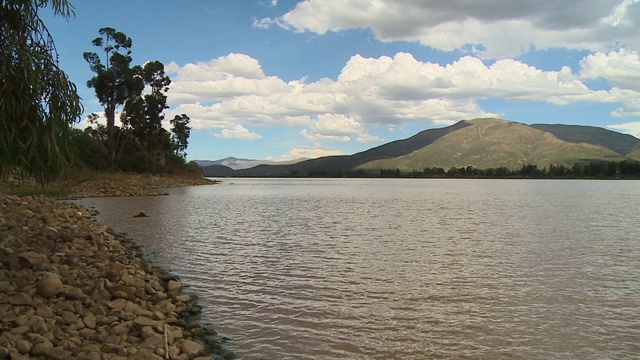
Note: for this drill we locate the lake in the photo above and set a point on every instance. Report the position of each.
(403, 268)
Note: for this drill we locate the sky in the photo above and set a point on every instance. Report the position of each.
(281, 80)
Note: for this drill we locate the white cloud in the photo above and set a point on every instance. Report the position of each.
(631, 128)
(310, 135)
(237, 132)
(368, 138)
(369, 92)
(308, 152)
(620, 68)
(493, 28)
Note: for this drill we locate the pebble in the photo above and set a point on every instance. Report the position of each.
(74, 290)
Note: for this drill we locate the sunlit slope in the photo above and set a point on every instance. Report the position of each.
(635, 153)
(492, 143)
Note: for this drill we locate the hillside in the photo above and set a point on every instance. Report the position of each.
(481, 143)
(344, 163)
(615, 141)
(492, 143)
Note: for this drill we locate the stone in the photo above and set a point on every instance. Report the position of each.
(45, 312)
(49, 285)
(23, 346)
(89, 321)
(4, 353)
(191, 348)
(174, 287)
(30, 259)
(20, 299)
(183, 298)
(73, 293)
(68, 317)
(142, 321)
(41, 348)
(57, 353)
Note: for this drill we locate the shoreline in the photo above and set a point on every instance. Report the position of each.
(72, 288)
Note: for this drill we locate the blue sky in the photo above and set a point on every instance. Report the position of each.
(282, 79)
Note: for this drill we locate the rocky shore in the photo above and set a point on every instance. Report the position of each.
(71, 289)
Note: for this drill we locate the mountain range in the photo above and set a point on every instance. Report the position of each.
(481, 143)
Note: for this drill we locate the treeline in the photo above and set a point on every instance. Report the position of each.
(39, 105)
(139, 93)
(592, 170)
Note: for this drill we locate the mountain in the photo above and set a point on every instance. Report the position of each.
(347, 163)
(239, 164)
(617, 142)
(481, 143)
(496, 143)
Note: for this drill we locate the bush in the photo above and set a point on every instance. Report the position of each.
(140, 162)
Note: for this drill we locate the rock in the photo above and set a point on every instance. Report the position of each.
(183, 298)
(68, 317)
(23, 346)
(142, 321)
(114, 272)
(49, 285)
(20, 299)
(74, 293)
(89, 321)
(57, 353)
(45, 312)
(41, 348)
(191, 348)
(4, 353)
(30, 259)
(174, 288)
(140, 215)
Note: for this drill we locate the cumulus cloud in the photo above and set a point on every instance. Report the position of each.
(386, 91)
(368, 138)
(620, 68)
(308, 152)
(493, 28)
(237, 132)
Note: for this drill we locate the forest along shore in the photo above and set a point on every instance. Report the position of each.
(70, 288)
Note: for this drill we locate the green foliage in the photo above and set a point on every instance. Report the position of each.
(90, 150)
(113, 80)
(180, 132)
(38, 103)
(139, 162)
(143, 112)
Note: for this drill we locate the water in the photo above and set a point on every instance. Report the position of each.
(403, 269)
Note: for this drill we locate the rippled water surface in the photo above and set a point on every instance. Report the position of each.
(403, 269)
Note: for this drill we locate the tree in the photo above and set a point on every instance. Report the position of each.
(113, 80)
(143, 112)
(180, 132)
(38, 103)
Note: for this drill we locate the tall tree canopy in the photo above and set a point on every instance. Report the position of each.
(180, 132)
(113, 80)
(143, 110)
(38, 103)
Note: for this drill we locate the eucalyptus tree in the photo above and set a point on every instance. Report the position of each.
(143, 110)
(180, 132)
(113, 80)
(38, 103)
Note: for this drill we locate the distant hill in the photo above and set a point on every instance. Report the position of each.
(348, 163)
(492, 143)
(614, 141)
(239, 164)
(481, 143)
